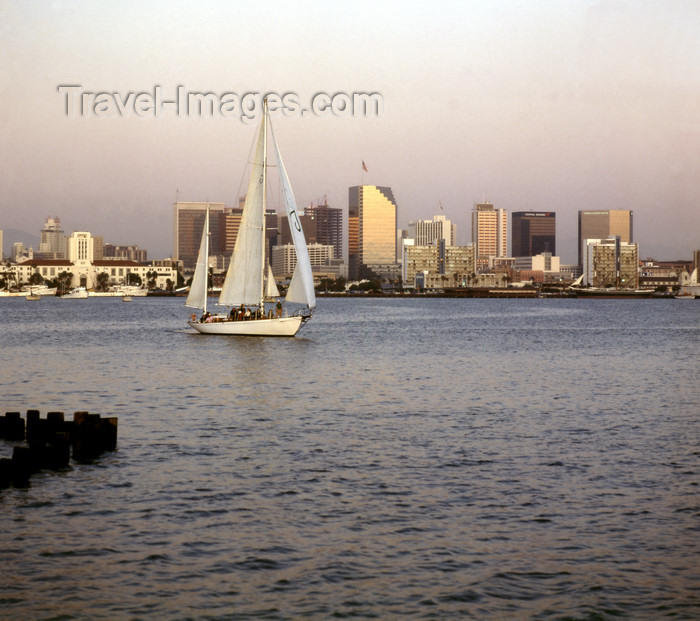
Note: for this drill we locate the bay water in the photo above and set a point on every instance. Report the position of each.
(399, 458)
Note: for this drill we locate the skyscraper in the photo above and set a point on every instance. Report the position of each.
(371, 231)
(53, 240)
(532, 233)
(600, 224)
(329, 226)
(489, 233)
(426, 232)
(188, 226)
(229, 223)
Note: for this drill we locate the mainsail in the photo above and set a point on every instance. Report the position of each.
(244, 278)
(197, 297)
(301, 288)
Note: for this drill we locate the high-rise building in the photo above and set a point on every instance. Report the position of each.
(308, 226)
(437, 265)
(489, 233)
(229, 223)
(426, 232)
(53, 240)
(532, 233)
(188, 226)
(329, 226)
(371, 231)
(284, 258)
(611, 262)
(128, 253)
(600, 224)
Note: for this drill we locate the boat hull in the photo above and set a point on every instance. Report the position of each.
(282, 326)
(76, 294)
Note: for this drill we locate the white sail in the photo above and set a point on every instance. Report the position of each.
(301, 289)
(249, 280)
(244, 278)
(197, 297)
(271, 290)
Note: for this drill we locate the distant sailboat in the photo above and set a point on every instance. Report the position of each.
(249, 281)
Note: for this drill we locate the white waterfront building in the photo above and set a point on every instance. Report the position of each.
(84, 268)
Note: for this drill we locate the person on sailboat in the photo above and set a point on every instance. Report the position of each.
(278, 307)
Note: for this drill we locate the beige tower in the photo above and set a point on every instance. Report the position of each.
(489, 233)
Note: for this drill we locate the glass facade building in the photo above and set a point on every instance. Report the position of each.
(371, 230)
(533, 233)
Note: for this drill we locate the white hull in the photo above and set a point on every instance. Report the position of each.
(134, 292)
(75, 294)
(283, 326)
(25, 292)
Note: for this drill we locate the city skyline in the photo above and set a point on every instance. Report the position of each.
(540, 107)
(592, 224)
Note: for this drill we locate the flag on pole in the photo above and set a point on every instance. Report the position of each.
(363, 166)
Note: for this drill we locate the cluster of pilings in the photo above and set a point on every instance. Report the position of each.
(51, 442)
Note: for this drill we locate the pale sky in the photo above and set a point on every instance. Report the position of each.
(538, 105)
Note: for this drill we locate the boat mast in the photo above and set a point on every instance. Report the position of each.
(264, 206)
(206, 260)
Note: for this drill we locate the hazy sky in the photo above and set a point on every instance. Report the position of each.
(537, 105)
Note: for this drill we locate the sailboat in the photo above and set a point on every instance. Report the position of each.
(249, 282)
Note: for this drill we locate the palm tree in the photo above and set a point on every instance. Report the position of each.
(151, 275)
(102, 281)
(63, 282)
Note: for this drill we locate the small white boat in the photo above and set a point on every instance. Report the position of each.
(249, 282)
(126, 298)
(119, 291)
(32, 296)
(79, 293)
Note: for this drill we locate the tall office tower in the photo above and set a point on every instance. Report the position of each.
(188, 226)
(599, 224)
(229, 223)
(329, 226)
(308, 226)
(371, 231)
(426, 232)
(532, 233)
(53, 239)
(489, 233)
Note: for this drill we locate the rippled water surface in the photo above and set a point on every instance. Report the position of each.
(467, 459)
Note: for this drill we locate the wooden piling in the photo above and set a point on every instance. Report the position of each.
(13, 427)
(5, 472)
(23, 465)
(51, 441)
